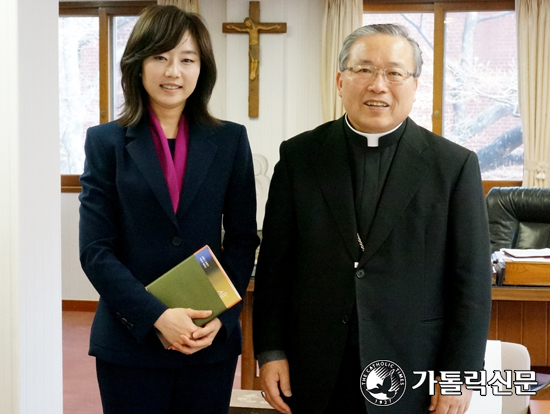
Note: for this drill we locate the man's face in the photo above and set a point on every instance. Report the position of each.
(373, 104)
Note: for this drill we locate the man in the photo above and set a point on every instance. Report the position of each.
(375, 255)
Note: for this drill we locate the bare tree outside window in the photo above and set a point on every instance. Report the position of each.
(78, 87)
(79, 81)
(480, 84)
(481, 90)
(122, 28)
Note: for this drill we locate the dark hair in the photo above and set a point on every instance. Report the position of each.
(374, 29)
(158, 30)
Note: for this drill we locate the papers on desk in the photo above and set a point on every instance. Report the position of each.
(249, 399)
(526, 255)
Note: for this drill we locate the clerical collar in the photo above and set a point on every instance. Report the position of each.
(372, 139)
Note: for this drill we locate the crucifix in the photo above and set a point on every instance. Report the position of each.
(253, 27)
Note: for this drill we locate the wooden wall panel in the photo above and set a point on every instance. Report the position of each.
(535, 332)
(547, 344)
(509, 321)
(523, 322)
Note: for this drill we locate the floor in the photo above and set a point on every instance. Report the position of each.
(80, 390)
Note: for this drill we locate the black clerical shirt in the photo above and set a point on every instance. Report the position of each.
(369, 170)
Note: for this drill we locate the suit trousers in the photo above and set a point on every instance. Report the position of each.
(195, 389)
(346, 396)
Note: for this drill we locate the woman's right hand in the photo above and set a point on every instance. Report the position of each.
(174, 323)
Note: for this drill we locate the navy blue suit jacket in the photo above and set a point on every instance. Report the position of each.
(130, 235)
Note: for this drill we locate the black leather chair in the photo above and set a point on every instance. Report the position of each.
(519, 217)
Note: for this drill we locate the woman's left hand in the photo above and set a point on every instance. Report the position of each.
(200, 339)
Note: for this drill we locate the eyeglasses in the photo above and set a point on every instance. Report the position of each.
(393, 74)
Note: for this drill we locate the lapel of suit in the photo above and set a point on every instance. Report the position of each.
(403, 180)
(331, 165)
(142, 150)
(200, 154)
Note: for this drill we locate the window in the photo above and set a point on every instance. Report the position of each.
(421, 28)
(92, 39)
(78, 87)
(468, 88)
(481, 90)
(122, 27)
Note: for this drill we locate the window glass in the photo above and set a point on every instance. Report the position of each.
(481, 90)
(421, 29)
(78, 87)
(122, 27)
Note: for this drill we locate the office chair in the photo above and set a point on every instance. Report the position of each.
(519, 217)
(515, 357)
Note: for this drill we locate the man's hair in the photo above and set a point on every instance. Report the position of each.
(374, 29)
(159, 30)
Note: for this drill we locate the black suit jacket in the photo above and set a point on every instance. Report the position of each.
(422, 285)
(130, 235)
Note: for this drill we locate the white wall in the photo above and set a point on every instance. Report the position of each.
(75, 283)
(290, 100)
(289, 73)
(30, 239)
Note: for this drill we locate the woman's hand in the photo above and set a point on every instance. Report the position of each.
(176, 323)
(201, 338)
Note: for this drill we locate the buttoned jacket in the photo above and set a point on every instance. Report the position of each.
(421, 287)
(130, 234)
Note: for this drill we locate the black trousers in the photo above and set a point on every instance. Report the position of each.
(200, 389)
(347, 397)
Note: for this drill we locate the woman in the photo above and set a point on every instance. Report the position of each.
(158, 184)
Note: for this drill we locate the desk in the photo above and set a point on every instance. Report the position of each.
(522, 315)
(527, 273)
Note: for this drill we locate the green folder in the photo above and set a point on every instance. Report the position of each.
(199, 282)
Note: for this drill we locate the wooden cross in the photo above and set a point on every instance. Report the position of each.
(253, 27)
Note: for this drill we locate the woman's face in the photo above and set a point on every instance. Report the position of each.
(170, 78)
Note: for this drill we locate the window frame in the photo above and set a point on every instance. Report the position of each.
(439, 8)
(105, 11)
